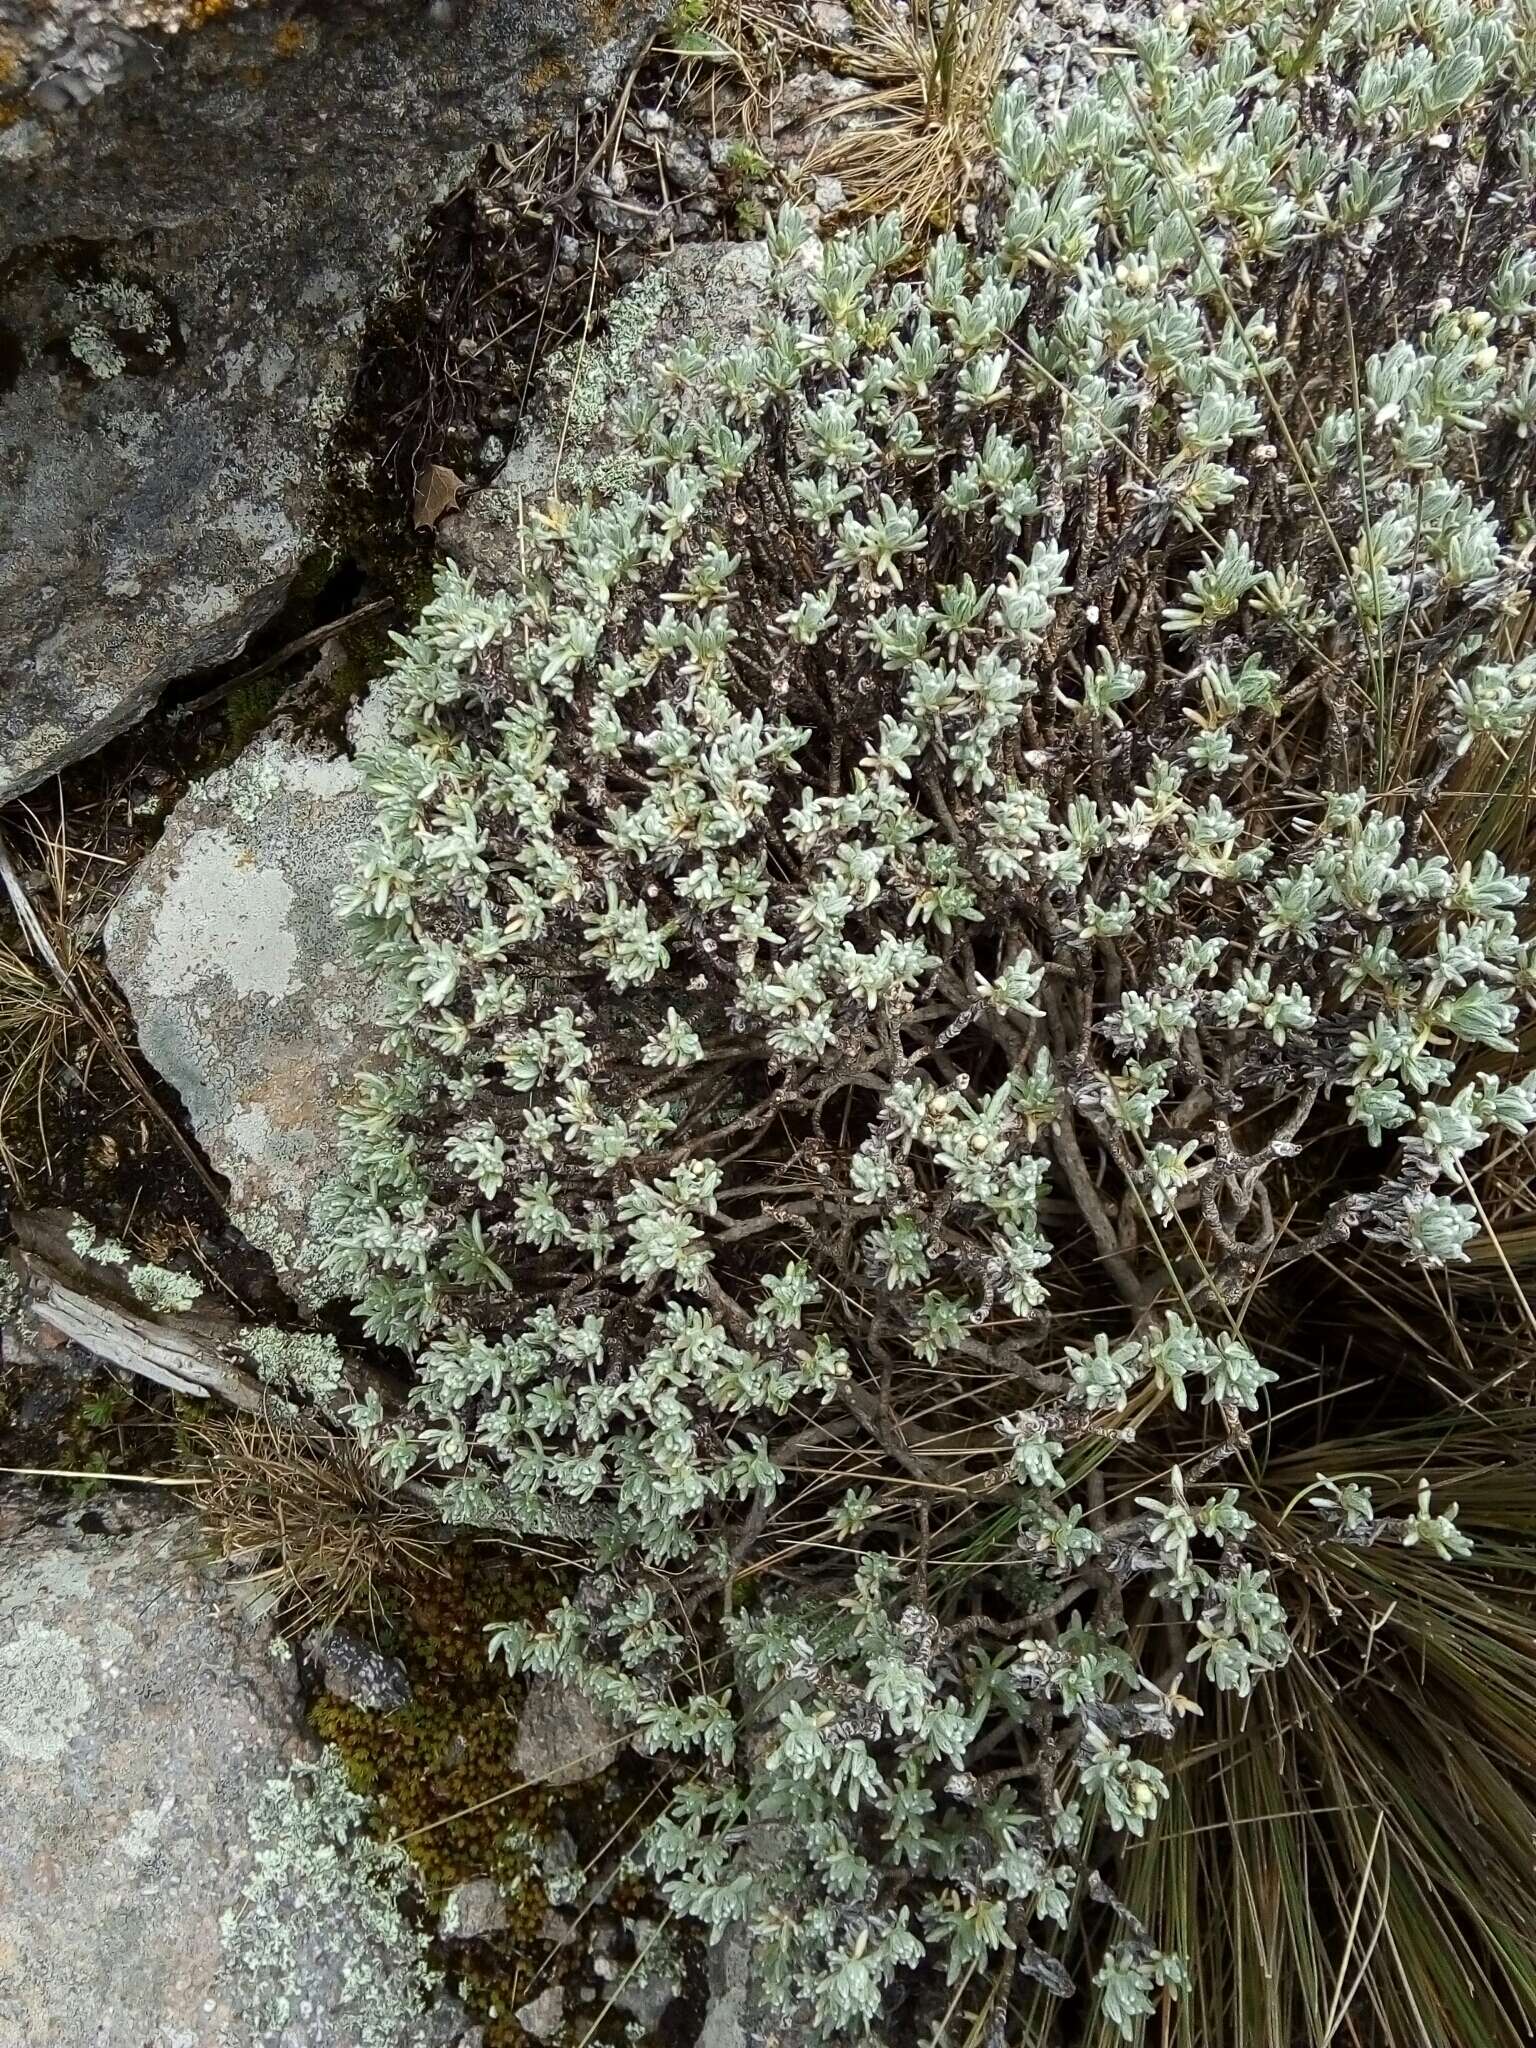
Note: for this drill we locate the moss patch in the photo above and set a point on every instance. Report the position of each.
(445, 1785)
(431, 1766)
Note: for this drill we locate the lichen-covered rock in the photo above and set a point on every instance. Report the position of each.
(195, 225)
(143, 1720)
(59, 54)
(644, 1984)
(730, 1997)
(709, 289)
(474, 1909)
(322, 1886)
(356, 1672)
(561, 1738)
(543, 2018)
(242, 986)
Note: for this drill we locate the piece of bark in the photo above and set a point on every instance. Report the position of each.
(193, 1351)
(172, 1357)
(92, 1305)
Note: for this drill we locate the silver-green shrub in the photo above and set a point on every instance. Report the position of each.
(906, 929)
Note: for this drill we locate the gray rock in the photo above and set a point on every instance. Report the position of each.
(186, 268)
(710, 289)
(556, 1929)
(828, 196)
(832, 22)
(644, 2001)
(356, 1672)
(1059, 46)
(242, 985)
(644, 1985)
(142, 1719)
(812, 106)
(737, 2015)
(725, 2017)
(561, 1738)
(688, 168)
(543, 2017)
(473, 1909)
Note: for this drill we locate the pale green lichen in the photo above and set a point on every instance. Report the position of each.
(270, 1226)
(319, 1880)
(12, 1295)
(113, 308)
(45, 1694)
(106, 1251)
(543, 1859)
(96, 351)
(124, 305)
(297, 1361)
(160, 1288)
(594, 377)
(252, 783)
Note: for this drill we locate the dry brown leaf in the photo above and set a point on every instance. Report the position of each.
(437, 492)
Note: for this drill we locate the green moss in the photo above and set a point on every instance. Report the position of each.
(360, 658)
(92, 1436)
(440, 1771)
(247, 709)
(445, 1786)
(434, 1764)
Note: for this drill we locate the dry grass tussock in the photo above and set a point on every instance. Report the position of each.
(303, 1519)
(42, 1031)
(915, 143)
(919, 140)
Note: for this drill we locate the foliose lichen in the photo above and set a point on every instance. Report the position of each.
(158, 1287)
(298, 1362)
(95, 349)
(319, 1880)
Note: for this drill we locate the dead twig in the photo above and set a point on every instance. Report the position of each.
(194, 1351)
(316, 637)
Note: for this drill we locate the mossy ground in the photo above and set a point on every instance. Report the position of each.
(433, 1766)
(446, 1786)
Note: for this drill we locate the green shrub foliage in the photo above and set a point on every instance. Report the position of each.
(909, 929)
